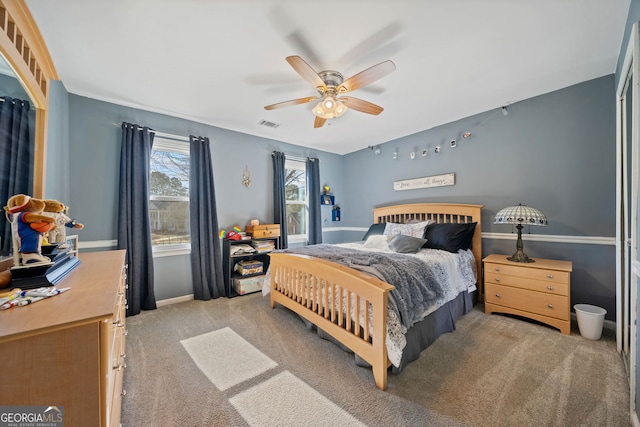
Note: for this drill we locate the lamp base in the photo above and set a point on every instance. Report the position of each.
(520, 256)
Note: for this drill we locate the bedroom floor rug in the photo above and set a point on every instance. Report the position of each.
(492, 371)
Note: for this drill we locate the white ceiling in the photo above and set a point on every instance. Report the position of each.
(220, 62)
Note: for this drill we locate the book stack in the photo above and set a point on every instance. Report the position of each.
(262, 246)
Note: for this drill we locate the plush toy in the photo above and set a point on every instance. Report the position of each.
(57, 211)
(29, 226)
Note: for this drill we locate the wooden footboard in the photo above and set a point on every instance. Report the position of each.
(337, 299)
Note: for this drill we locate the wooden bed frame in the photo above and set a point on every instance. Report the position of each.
(307, 286)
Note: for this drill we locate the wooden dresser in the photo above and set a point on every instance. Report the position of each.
(69, 350)
(539, 290)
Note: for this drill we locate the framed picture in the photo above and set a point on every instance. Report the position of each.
(72, 244)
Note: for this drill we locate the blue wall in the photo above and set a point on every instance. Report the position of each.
(94, 160)
(555, 152)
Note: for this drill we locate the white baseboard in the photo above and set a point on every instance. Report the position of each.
(634, 419)
(175, 300)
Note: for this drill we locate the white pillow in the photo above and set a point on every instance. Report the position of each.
(377, 241)
(413, 230)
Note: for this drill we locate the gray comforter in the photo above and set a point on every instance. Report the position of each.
(416, 285)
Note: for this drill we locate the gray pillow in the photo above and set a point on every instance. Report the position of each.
(406, 244)
(416, 230)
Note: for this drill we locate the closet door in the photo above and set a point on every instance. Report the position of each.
(628, 222)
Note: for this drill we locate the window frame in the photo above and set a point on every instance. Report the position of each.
(180, 147)
(298, 164)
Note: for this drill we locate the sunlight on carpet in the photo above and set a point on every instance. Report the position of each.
(211, 351)
(285, 400)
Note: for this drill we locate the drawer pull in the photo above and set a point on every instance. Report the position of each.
(124, 393)
(550, 305)
(550, 288)
(119, 367)
(125, 332)
(550, 276)
(497, 279)
(497, 295)
(497, 268)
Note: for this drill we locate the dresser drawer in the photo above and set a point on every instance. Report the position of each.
(499, 278)
(553, 276)
(545, 304)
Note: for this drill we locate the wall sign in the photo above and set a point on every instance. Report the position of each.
(427, 181)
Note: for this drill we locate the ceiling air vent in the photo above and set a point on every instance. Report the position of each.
(268, 124)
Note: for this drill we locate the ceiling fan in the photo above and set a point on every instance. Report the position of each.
(330, 84)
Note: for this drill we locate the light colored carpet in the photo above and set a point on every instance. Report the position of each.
(284, 400)
(493, 370)
(207, 350)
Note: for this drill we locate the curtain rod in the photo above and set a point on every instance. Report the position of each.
(296, 158)
(162, 134)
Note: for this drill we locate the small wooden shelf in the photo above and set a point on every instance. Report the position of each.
(327, 200)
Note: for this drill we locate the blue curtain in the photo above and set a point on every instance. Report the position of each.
(315, 214)
(16, 157)
(206, 259)
(134, 227)
(279, 197)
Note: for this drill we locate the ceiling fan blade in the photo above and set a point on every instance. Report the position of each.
(367, 76)
(361, 105)
(290, 103)
(295, 35)
(305, 70)
(319, 122)
(370, 47)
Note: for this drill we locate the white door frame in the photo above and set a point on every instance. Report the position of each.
(627, 266)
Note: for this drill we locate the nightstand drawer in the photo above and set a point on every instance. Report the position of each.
(490, 276)
(550, 305)
(529, 271)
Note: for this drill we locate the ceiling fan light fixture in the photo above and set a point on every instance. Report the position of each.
(329, 107)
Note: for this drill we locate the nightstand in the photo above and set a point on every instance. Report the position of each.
(538, 290)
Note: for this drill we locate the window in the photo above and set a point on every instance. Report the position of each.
(169, 195)
(296, 196)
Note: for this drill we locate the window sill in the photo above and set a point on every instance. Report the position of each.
(160, 252)
(297, 239)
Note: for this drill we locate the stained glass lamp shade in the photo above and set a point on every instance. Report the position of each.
(520, 216)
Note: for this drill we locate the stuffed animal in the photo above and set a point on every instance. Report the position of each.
(57, 211)
(29, 226)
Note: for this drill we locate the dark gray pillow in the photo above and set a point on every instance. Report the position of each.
(449, 236)
(406, 244)
(375, 229)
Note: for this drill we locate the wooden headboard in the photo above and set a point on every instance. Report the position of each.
(440, 213)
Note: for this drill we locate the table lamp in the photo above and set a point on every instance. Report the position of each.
(520, 215)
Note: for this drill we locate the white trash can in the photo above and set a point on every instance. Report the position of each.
(590, 320)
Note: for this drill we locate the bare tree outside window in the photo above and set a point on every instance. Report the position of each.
(296, 197)
(169, 200)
